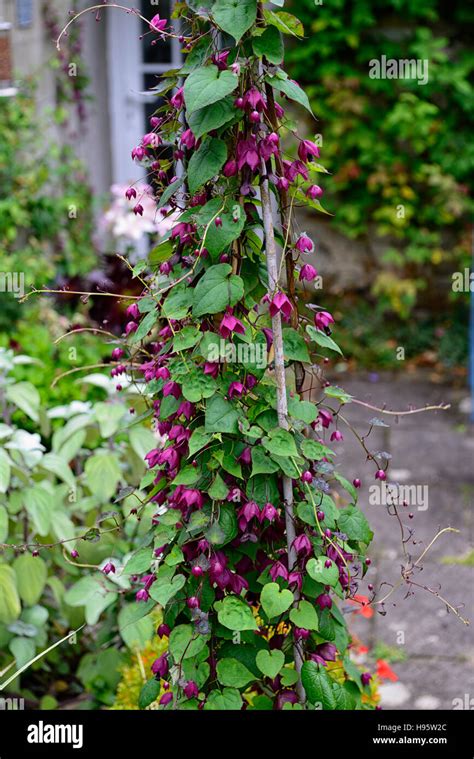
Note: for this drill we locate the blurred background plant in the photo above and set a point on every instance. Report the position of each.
(60, 470)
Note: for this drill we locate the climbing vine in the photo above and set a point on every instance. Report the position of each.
(249, 551)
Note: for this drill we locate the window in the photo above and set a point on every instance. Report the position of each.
(135, 65)
(24, 13)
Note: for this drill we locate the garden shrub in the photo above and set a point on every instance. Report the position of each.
(60, 469)
(46, 219)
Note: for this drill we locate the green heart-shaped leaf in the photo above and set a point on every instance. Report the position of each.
(270, 662)
(289, 676)
(163, 591)
(274, 600)
(321, 573)
(305, 616)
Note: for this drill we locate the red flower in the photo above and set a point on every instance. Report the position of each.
(385, 672)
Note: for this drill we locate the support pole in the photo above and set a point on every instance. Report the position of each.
(282, 407)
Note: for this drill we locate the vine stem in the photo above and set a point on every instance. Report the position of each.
(282, 407)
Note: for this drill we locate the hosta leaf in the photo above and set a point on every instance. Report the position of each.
(305, 616)
(275, 601)
(281, 443)
(197, 385)
(102, 471)
(164, 589)
(26, 397)
(10, 606)
(178, 302)
(5, 471)
(227, 700)
(285, 22)
(270, 662)
(149, 693)
(186, 338)
(185, 643)
(31, 573)
(318, 571)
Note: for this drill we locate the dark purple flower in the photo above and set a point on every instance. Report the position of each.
(160, 666)
(304, 244)
(268, 337)
(230, 168)
(177, 100)
(158, 24)
(220, 59)
(166, 699)
(254, 100)
(171, 388)
(302, 544)
(286, 697)
(211, 368)
(236, 389)
(142, 595)
(188, 139)
(268, 512)
(230, 324)
(324, 417)
(281, 303)
(314, 192)
(308, 150)
(294, 169)
(278, 570)
(246, 456)
(323, 319)
(190, 689)
(324, 601)
(308, 273)
(247, 154)
(250, 381)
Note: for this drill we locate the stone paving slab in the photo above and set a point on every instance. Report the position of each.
(436, 450)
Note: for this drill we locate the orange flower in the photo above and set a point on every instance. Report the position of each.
(385, 672)
(364, 609)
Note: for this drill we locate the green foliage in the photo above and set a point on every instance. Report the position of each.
(46, 214)
(59, 478)
(422, 157)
